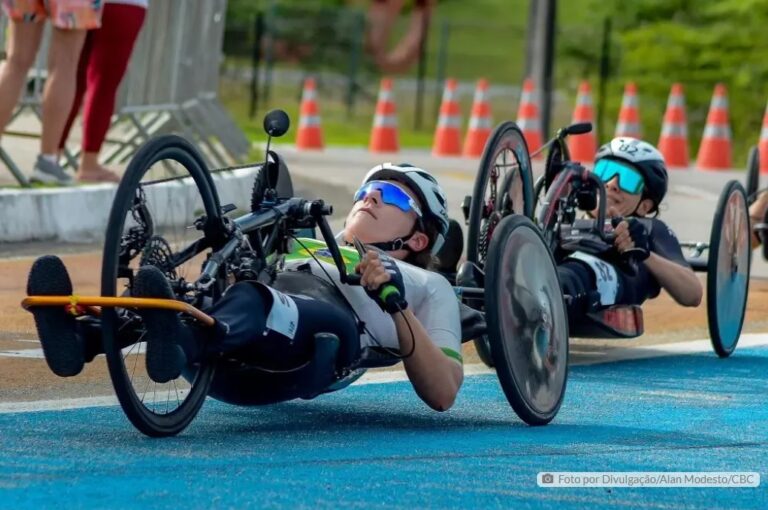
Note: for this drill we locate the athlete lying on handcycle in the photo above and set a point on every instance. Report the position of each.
(399, 212)
(636, 181)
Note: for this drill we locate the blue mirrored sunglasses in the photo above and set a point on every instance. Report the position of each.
(630, 180)
(391, 194)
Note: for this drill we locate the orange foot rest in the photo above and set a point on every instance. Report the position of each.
(76, 304)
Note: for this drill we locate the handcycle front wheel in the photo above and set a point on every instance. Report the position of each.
(503, 186)
(527, 322)
(728, 269)
(151, 222)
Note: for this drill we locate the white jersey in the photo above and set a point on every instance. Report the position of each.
(429, 295)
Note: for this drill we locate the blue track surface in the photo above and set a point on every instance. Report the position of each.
(376, 446)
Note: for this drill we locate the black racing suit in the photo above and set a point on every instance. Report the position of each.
(577, 279)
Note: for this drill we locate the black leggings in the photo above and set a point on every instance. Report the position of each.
(241, 316)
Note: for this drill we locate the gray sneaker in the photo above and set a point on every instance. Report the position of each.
(50, 172)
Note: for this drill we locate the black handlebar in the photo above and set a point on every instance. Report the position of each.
(578, 129)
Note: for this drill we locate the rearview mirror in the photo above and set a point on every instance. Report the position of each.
(276, 123)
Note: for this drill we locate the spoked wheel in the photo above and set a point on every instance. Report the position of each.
(527, 322)
(728, 269)
(503, 186)
(753, 174)
(151, 222)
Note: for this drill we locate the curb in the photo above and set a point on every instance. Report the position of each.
(80, 215)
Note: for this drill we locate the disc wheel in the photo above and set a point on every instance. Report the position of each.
(151, 222)
(753, 174)
(527, 322)
(728, 269)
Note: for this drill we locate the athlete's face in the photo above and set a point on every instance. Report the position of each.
(372, 220)
(621, 203)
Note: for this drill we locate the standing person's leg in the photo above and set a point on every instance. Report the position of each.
(59, 92)
(71, 19)
(23, 42)
(112, 48)
(82, 68)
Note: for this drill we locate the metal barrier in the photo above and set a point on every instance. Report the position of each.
(171, 85)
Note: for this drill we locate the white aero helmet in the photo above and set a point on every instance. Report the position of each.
(426, 189)
(643, 156)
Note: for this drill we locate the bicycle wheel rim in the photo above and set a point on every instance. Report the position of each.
(171, 407)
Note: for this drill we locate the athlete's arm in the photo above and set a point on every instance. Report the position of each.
(677, 279)
(435, 376)
(681, 282)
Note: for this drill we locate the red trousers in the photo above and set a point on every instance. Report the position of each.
(101, 69)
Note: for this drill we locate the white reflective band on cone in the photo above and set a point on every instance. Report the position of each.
(764, 133)
(480, 123)
(309, 120)
(629, 101)
(674, 129)
(723, 132)
(676, 101)
(528, 124)
(380, 120)
(719, 102)
(628, 129)
(584, 101)
(309, 95)
(449, 121)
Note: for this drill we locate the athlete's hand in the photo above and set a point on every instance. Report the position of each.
(631, 237)
(378, 270)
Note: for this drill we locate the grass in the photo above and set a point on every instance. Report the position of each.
(339, 127)
(487, 38)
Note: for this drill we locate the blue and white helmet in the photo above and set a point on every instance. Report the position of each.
(643, 156)
(426, 189)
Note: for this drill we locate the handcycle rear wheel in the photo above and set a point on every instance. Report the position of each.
(527, 322)
(503, 186)
(149, 224)
(728, 269)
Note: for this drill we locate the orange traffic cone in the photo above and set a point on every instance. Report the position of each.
(629, 118)
(480, 123)
(384, 131)
(673, 143)
(528, 117)
(715, 149)
(762, 145)
(583, 147)
(448, 133)
(309, 135)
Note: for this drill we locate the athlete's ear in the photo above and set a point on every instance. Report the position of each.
(644, 207)
(418, 241)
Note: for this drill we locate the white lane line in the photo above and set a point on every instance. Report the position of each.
(747, 340)
(23, 353)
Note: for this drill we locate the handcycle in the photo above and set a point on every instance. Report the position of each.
(760, 228)
(506, 199)
(179, 225)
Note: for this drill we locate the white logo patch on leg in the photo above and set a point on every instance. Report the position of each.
(283, 318)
